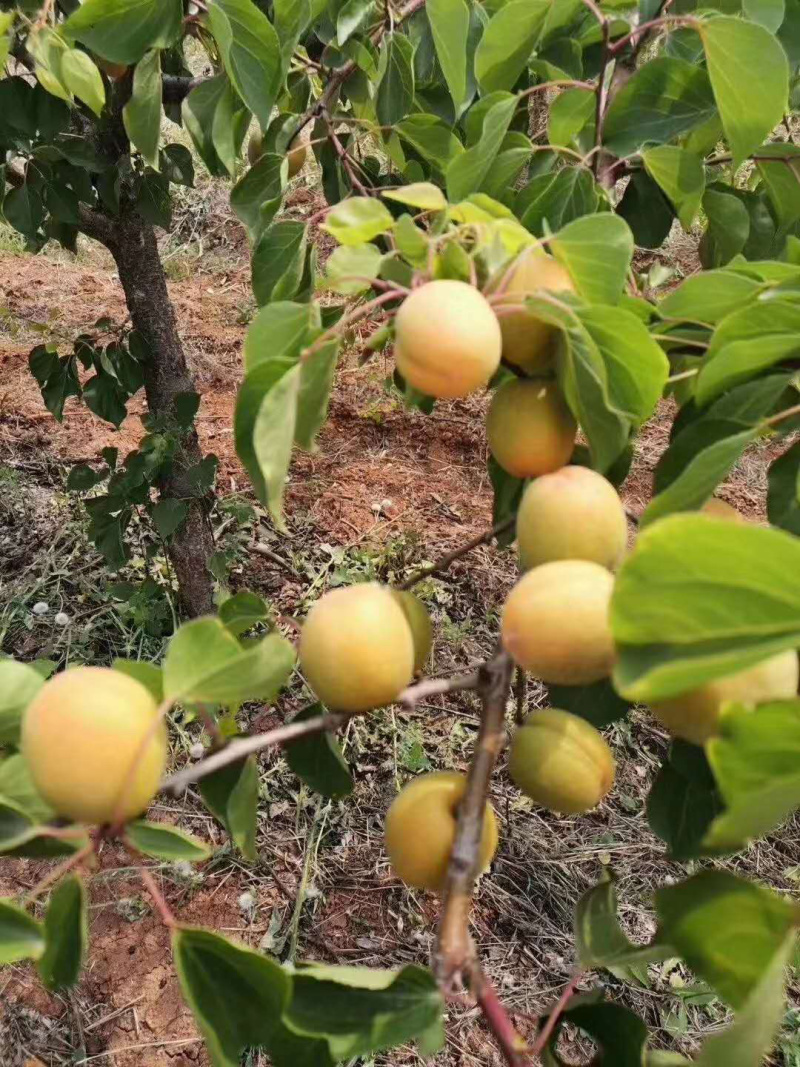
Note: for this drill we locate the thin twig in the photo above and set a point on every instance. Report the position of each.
(520, 695)
(59, 871)
(544, 1034)
(788, 413)
(347, 320)
(444, 562)
(454, 948)
(512, 1044)
(157, 897)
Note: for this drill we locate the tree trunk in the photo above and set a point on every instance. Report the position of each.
(133, 245)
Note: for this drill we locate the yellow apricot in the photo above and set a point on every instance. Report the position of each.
(81, 736)
(447, 340)
(573, 513)
(529, 342)
(356, 648)
(561, 761)
(421, 829)
(255, 147)
(529, 428)
(695, 716)
(720, 509)
(296, 155)
(419, 621)
(555, 622)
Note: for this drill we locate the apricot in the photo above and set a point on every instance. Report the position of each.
(561, 761)
(555, 622)
(296, 155)
(447, 339)
(528, 341)
(719, 509)
(529, 428)
(695, 716)
(356, 649)
(81, 736)
(115, 71)
(573, 513)
(421, 829)
(420, 624)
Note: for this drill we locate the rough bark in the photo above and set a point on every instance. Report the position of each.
(133, 245)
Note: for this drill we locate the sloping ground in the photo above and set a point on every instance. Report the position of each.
(387, 489)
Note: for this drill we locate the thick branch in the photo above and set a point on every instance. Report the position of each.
(293, 731)
(454, 949)
(445, 561)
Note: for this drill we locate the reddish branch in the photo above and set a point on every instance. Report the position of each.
(445, 561)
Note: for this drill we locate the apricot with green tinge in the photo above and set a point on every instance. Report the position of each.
(529, 428)
(419, 621)
(421, 829)
(561, 761)
(528, 341)
(94, 745)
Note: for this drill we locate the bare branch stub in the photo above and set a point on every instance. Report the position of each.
(444, 562)
(454, 949)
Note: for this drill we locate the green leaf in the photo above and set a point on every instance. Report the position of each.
(683, 801)
(63, 204)
(450, 25)
(256, 197)
(750, 1037)
(351, 268)
(507, 42)
(165, 842)
(167, 516)
(147, 673)
(251, 53)
(709, 296)
(422, 195)
(21, 937)
(783, 493)
(550, 201)
(142, 114)
(316, 382)
(600, 940)
(728, 930)
(598, 703)
(242, 611)
(689, 605)
(596, 251)
(19, 684)
(23, 209)
(680, 174)
(83, 79)
(16, 786)
(229, 127)
(20, 832)
(746, 343)
(779, 166)
(153, 200)
(358, 219)
(703, 472)
(236, 996)
(318, 760)
(66, 929)
(432, 138)
(278, 260)
(636, 365)
(123, 30)
(290, 18)
(465, 172)
(728, 228)
(272, 437)
(277, 335)
(750, 108)
(176, 164)
(621, 1034)
(395, 95)
(663, 99)
(231, 794)
(359, 1010)
(198, 111)
(352, 16)
(754, 761)
(507, 493)
(206, 664)
(252, 392)
(646, 210)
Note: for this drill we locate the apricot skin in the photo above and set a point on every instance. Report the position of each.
(447, 340)
(421, 829)
(573, 513)
(720, 509)
(356, 649)
(528, 342)
(296, 155)
(80, 736)
(420, 624)
(555, 622)
(561, 762)
(695, 716)
(529, 428)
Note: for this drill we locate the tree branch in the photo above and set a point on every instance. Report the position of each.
(454, 950)
(293, 731)
(445, 561)
(512, 1044)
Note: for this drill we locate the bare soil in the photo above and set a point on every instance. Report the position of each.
(396, 487)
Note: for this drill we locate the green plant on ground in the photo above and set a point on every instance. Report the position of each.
(444, 199)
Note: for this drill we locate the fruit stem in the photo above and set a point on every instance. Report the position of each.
(444, 562)
(512, 1044)
(157, 897)
(58, 872)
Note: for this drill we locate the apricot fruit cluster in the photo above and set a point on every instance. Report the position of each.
(94, 745)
